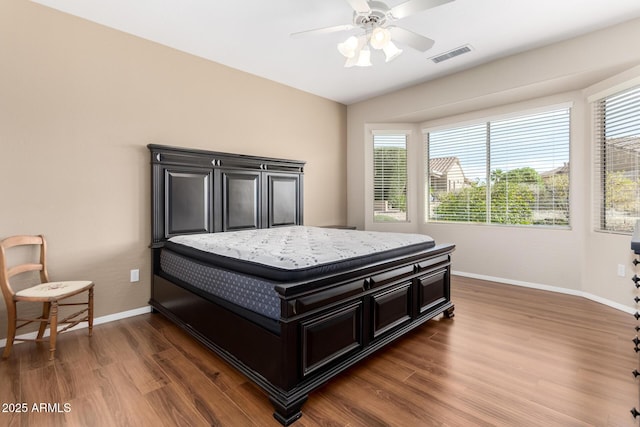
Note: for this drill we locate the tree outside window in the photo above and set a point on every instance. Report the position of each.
(390, 177)
(527, 183)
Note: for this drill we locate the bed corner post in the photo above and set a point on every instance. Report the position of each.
(448, 313)
(287, 412)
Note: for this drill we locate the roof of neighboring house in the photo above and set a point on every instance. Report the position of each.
(440, 165)
(631, 143)
(564, 169)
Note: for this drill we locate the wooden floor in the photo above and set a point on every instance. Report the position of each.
(510, 357)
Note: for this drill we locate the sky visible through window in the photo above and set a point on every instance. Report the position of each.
(538, 141)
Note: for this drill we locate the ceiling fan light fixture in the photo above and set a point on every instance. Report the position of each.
(349, 47)
(391, 51)
(364, 58)
(380, 37)
(375, 19)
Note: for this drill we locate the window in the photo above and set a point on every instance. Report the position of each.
(617, 132)
(389, 177)
(513, 171)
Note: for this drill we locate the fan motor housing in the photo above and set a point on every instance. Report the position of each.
(377, 16)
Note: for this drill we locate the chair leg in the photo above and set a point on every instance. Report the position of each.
(53, 331)
(45, 318)
(11, 329)
(90, 314)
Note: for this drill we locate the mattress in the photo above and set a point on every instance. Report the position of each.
(252, 294)
(289, 254)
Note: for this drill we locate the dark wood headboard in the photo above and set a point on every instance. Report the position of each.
(198, 191)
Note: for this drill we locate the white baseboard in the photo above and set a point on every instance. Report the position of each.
(143, 310)
(97, 321)
(556, 289)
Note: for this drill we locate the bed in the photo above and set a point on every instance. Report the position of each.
(299, 304)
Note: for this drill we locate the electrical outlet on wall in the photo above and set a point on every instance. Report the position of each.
(134, 275)
(621, 271)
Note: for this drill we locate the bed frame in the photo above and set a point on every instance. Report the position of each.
(326, 324)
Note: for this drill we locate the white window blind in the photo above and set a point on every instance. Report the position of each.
(617, 156)
(513, 171)
(457, 173)
(390, 177)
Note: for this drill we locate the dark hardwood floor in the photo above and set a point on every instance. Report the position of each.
(510, 357)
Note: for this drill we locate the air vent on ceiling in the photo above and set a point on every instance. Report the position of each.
(451, 54)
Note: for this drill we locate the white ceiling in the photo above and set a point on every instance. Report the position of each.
(253, 35)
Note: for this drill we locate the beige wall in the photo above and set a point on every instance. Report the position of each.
(78, 104)
(578, 260)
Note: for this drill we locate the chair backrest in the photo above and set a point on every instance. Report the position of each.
(7, 272)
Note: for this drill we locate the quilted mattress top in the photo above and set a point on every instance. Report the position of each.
(297, 252)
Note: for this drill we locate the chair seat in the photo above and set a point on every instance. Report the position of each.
(54, 289)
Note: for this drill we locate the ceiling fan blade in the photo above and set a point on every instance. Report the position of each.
(360, 6)
(411, 7)
(326, 30)
(411, 39)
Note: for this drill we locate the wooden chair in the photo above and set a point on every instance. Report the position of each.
(48, 293)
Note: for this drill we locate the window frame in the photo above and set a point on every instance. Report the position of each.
(483, 118)
(401, 135)
(411, 130)
(598, 138)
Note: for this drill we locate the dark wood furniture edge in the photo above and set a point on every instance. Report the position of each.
(279, 364)
(288, 404)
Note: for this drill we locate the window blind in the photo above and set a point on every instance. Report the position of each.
(512, 171)
(390, 177)
(457, 166)
(617, 156)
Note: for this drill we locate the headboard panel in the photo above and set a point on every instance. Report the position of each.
(198, 191)
(188, 200)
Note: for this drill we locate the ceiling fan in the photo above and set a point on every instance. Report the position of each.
(375, 18)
